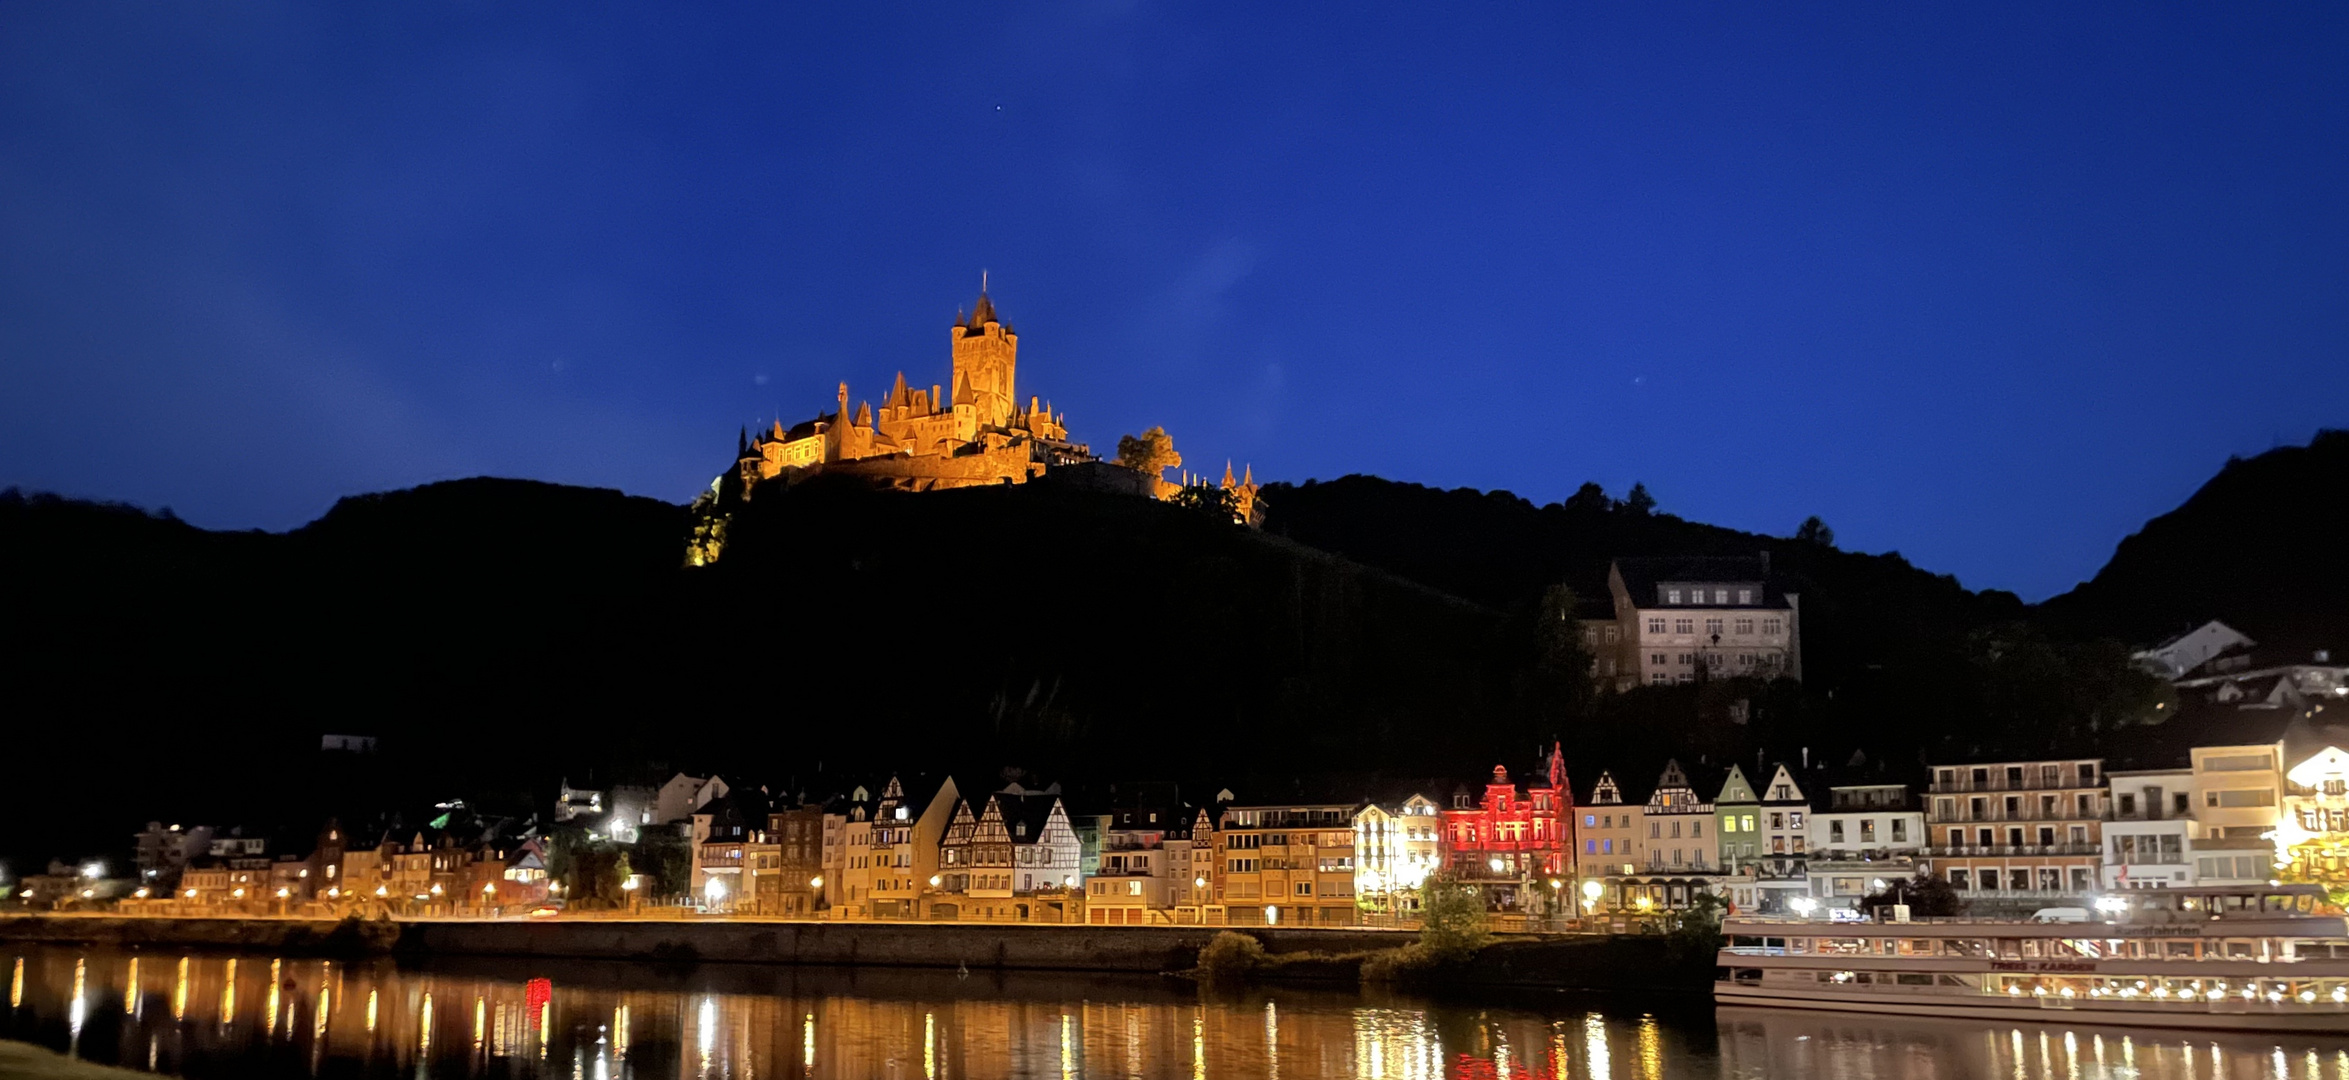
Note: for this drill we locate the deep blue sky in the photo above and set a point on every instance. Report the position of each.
(1989, 288)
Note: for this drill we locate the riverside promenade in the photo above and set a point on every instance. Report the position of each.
(1552, 961)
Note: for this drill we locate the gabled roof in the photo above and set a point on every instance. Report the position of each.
(1032, 811)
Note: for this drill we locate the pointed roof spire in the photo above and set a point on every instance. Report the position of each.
(1248, 475)
(1227, 472)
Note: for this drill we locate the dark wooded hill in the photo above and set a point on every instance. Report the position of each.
(2263, 546)
(495, 635)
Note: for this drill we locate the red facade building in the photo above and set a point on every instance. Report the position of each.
(1512, 844)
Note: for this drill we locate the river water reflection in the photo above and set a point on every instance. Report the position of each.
(211, 1015)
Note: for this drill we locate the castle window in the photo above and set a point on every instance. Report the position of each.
(1684, 626)
(1720, 596)
(1745, 596)
(1655, 626)
(1745, 626)
(1671, 596)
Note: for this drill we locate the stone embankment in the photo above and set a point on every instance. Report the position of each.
(1563, 962)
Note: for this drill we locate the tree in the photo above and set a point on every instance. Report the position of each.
(1210, 499)
(1638, 501)
(1151, 453)
(1589, 498)
(1925, 894)
(1815, 531)
(1452, 923)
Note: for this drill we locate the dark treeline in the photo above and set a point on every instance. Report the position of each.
(496, 635)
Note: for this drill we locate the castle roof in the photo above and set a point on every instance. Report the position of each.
(983, 313)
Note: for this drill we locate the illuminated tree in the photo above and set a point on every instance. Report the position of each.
(1452, 922)
(2319, 861)
(1151, 453)
(1209, 499)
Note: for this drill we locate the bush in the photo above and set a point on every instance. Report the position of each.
(1231, 957)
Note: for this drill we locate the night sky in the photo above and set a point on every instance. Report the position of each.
(1988, 288)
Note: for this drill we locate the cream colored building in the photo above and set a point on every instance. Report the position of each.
(2237, 793)
(1711, 617)
(1397, 845)
(1289, 864)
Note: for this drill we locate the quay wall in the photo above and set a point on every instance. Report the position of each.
(1560, 962)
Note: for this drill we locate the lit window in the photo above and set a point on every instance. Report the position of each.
(1745, 596)
(1671, 596)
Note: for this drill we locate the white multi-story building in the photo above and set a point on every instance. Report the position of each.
(1712, 617)
(2148, 843)
(1865, 833)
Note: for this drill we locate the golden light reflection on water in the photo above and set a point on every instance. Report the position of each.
(725, 1022)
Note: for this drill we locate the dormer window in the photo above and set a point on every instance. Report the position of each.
(1671, 596)
(1745, 596)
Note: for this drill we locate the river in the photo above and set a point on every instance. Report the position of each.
(215, 1016)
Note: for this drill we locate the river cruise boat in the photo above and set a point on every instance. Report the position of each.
(2240, 958)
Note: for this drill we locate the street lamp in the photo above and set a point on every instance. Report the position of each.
(935, 879)
(94, 870)
(1590, 895)
(816, 882)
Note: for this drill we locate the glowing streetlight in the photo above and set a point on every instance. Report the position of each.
(436, 890)
(715, 889)
(1199, 882)
(191, 894)
(282, 893)
(1591, 890)
(383, 890)
(935, 880)
(238, 894)
(489, 888)
(140, 892)
(94, 870)
(629, 884)
(816, 882)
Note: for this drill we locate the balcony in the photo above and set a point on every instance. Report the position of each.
(1999, 851)
(1965, 783)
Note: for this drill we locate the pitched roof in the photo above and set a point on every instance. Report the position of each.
(1641, 575)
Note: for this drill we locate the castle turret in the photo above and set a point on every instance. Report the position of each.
(986, 359)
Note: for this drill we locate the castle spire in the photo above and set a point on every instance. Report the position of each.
(1227, 473)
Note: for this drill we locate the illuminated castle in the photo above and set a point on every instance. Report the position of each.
(929, 440)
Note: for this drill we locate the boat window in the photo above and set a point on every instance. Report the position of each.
(1915, 980)
(1965, 947)
(2237, 947)
(1842, 945)
(1956, 980)
(2180, 950)
(2010, 948)
(2032, 949)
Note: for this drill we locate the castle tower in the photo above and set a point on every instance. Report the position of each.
(986, 355)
